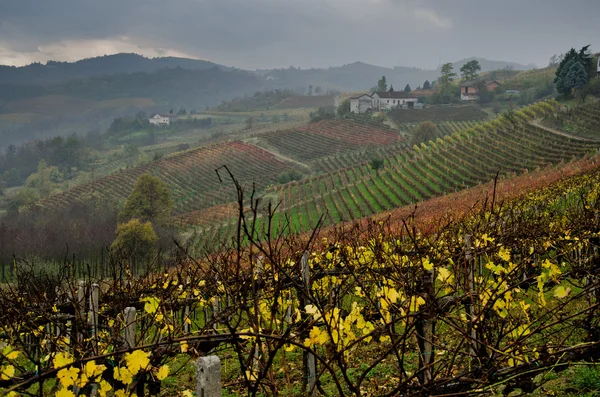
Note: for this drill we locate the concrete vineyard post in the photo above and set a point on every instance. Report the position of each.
(93, 314)
(130, 327)
(310, 367)
(470, 263)
(208, 377)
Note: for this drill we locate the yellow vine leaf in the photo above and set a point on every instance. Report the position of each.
(137, 360)
(7, 372)
(105, 387)
(426, 264)
(151, 305)
(186, 393)
(64, 393)
(124, 375)
(62, 359)
(561, 292)
(444, 275)
(68, 376)
(504, 254)
(415, 303)
(163, 372)
(183, 345)
(9, 353)
(316, 337)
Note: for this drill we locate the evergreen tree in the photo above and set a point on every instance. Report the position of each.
(407, 89)
(382, 84)
(391, 88)
(426, 85)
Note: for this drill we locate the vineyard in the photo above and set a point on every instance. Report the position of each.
(190, 176)
(582, 121)
(460, 160)
(438, 113)
(324, 138)
(496, 302)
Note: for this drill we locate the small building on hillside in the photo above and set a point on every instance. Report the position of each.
(161, 119)
(469, 90)
(361, 103)
(387, 100)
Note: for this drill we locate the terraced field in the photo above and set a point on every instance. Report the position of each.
(190, 175)
(322, 139)
(460, 160)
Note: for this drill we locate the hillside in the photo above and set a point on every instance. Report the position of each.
(350, 189)
(190, 176)
(57, 72)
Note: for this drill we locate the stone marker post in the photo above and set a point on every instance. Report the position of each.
(208, 377)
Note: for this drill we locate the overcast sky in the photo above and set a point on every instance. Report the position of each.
(306, 33)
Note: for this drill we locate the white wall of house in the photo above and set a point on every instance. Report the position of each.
(390, 103)
(361, 104)
(159, 120)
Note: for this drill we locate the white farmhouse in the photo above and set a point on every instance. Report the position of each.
(361, 103)
(383, 100)
(387, 100)
(159, 120)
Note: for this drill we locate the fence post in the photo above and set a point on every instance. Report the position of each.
(425, 332)
(471, 291)
(93, 315)
(130, 327)
(79, 321)
(208, 377)
(310, 367)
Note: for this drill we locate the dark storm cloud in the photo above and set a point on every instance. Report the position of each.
(278, 33)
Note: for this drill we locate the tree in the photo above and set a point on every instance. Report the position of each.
(149, 200)
(572, 76)
(249, 123)
(181, 112)
(376, 164)
(391, 88)
(576, 77)
(567, 63)
(407, 89)
(426, 131)
(318, 90)
(426, 85)
(553, 60)
(344, 108)
(448, 74)
(470, 70)
(382, 84)
(310, 90)
(135, 240)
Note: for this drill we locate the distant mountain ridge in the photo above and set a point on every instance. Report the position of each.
(57, 72)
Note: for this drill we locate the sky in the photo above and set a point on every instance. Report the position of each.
(261, 34)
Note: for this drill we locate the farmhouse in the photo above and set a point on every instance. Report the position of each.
(383, 100)
(160, 119)
(469, 90)
(387, 100)
(361, 103)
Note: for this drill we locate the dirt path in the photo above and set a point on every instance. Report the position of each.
(276, 153)
(538, 123)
